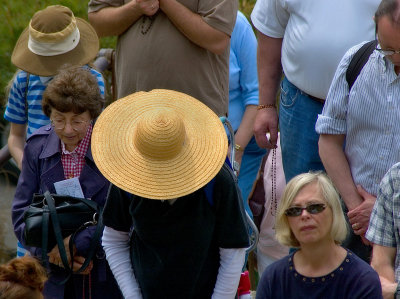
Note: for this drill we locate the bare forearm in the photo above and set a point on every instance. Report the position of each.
(245, 130)
(269, 71)
(194, 27)
(16, 142)
(16, 148)
(111, 21)
(338, 169)
(383, 259)
(269, 68)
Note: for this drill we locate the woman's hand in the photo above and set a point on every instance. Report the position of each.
(54, 254)
(238, 159)
(78, 262)
(55, 258)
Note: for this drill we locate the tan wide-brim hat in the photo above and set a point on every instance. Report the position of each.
(161, 144)
(54, 37)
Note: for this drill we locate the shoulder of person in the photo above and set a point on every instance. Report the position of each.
(360, 266)
(241, 18)
(20, 78)
(40, 133)
(225, 175)
(348, 56)
(277, 267)
(362, 278)
(94, 71)
(242, 25)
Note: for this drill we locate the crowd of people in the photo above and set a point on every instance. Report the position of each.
(155, 161)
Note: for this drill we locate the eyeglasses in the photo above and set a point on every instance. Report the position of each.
(77, 125)
(314, 208)
(387, 52)
(383, 51)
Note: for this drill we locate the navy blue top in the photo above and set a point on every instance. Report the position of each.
(353, 279)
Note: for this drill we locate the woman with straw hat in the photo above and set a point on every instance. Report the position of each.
(60, 155)
(174, 223)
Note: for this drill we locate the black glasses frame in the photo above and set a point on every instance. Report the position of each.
(313, 208)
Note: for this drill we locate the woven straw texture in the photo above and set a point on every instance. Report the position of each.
(160, 144)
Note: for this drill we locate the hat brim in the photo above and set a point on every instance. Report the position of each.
(116, 156)
(46, 66)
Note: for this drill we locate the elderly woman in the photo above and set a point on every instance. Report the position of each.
(58, 152)
(310, 218)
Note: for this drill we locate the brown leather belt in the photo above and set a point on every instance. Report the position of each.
(322, 101)
(316, 99)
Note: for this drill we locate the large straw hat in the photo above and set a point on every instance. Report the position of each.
(161, 144)
(53, 38)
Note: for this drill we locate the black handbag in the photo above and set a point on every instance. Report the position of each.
(52, 217)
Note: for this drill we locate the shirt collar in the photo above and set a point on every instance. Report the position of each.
(83, 145)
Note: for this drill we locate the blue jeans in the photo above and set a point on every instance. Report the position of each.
(298, 114)
(251, 161)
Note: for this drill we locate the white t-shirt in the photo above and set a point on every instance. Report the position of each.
(316, 34)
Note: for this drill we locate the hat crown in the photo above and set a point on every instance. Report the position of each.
(53, 24)
(52, 19)
(160, 134)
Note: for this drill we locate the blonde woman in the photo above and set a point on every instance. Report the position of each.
(310, 218)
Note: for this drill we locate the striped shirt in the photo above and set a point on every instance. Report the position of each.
(384, 225)
(15, 110)
(369, 117)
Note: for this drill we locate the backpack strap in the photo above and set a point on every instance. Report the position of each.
(358, 61)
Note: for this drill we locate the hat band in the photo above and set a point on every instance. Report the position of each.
(53, 49)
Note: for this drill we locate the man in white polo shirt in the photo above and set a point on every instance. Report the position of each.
(306, 39)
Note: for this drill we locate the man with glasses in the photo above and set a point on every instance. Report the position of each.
(359, 128)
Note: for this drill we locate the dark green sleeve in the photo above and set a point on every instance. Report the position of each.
(116, 212)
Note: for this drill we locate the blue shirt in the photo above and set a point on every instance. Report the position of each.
(353, 279)
(243, 81)
(15, 110)
(368, 116)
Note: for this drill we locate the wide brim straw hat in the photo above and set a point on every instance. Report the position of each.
(161, 144)
(54, 37)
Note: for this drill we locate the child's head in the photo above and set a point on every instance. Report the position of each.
(54, 37)
(22, 278)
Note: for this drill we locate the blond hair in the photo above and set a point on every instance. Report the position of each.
(339, 227)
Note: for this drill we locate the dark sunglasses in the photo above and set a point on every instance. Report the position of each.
(313, 208)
